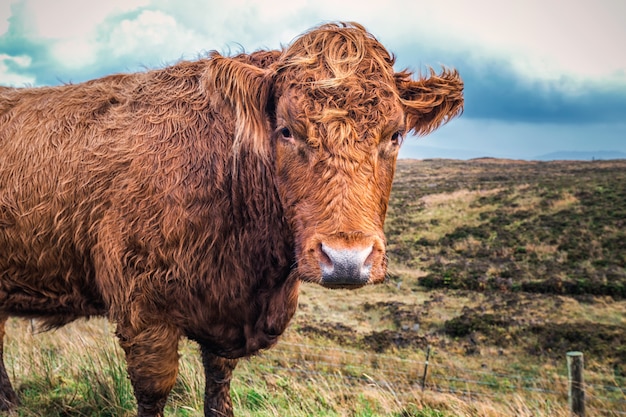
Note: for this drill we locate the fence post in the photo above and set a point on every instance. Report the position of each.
(575, 366)
(425, 368)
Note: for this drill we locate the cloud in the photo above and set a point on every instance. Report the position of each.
(5, 13)
(496, 91)
(10, 67)
(149, 38)
(548, 61)
(73, 40)
(544, 39)
(69, 40)
(541, 38)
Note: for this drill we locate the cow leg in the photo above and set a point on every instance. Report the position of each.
(8, 398)
(152, 361)
(218, 371)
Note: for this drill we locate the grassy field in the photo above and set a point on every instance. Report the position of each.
(500, 267)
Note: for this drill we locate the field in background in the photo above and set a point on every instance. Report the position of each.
(501, 267)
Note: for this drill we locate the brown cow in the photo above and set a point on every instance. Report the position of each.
(191, 201)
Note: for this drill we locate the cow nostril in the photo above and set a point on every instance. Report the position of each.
(325, 259)
(369, 261)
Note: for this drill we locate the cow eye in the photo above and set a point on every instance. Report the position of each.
(285, 133)
(396, 138)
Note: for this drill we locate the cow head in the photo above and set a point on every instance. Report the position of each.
(329, 115)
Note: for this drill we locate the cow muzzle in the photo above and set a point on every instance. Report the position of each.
(346, 262)
(345, 267)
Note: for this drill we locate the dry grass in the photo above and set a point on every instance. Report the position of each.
(567, 200)
(444, 212)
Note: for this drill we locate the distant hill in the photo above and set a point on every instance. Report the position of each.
(581, 156)
(413, 151)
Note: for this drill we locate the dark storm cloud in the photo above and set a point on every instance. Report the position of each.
(495, 90)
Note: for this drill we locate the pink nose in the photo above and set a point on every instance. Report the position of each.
(345, 267)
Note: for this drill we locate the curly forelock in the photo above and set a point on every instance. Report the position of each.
(342, 71)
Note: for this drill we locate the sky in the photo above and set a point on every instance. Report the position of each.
(541, 76)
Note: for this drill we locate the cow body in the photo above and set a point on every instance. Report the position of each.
(179, 202)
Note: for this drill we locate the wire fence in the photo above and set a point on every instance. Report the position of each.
(605, 396)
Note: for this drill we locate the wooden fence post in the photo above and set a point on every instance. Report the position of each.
(575, 366)
(425, 368)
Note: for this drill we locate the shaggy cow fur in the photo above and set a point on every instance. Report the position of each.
(191, 201)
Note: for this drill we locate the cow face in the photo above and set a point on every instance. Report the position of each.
(338, 112)
(335, 163)
(341, 115)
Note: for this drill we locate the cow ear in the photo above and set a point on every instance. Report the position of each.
(432, 101)
(245, 90)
